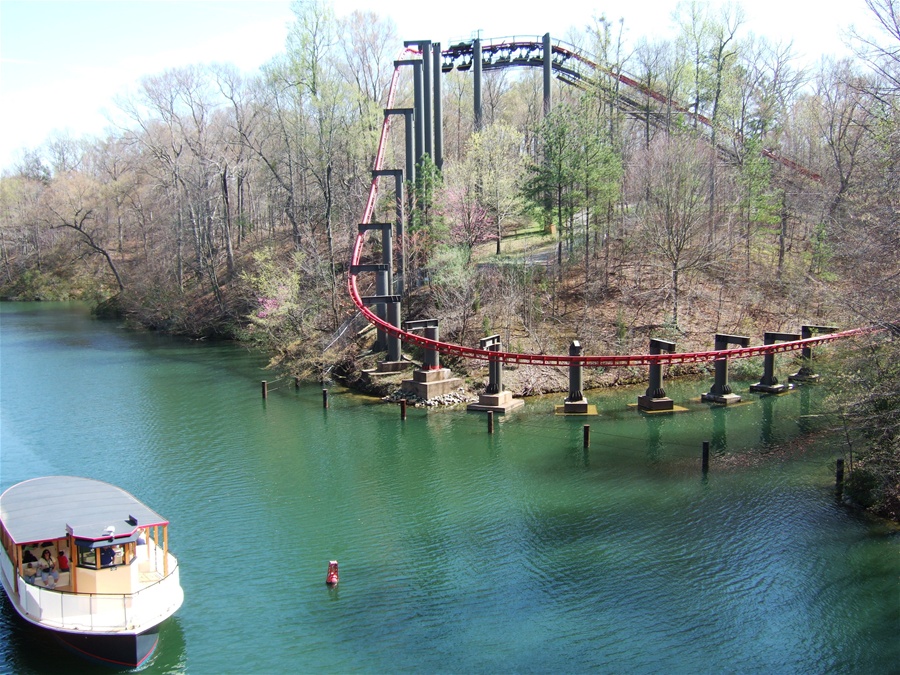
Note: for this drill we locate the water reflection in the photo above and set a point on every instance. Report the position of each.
(804, 420)
(719, 438)
(654, 424)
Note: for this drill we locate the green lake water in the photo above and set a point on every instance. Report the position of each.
(460, 551)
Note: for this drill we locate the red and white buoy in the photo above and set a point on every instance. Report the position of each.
(332, 577)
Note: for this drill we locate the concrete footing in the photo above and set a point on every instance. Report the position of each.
(429, 384)
(580, 407)
(392, 366)
(804, 375)
(778, 388)
(501, 402)
(723, 399)
(655, 404)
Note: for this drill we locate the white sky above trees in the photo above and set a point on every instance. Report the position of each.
(62, 63)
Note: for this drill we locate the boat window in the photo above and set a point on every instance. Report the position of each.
(87, 557)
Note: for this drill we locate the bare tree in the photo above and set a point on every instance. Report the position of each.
(672, 179)
(71, 203)
(841, 92)
(367, 58)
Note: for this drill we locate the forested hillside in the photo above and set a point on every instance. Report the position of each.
(228, 205)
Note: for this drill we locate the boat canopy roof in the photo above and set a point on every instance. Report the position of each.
(96, 513)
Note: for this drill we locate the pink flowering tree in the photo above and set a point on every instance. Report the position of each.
(280, 302)
(468, 220)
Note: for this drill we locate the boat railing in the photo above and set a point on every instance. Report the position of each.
(104, 611)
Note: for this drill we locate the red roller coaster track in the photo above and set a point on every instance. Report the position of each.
(611, 361)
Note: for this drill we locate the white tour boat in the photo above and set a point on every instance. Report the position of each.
(88, 562)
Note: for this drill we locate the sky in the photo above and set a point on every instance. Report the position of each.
(63, 62)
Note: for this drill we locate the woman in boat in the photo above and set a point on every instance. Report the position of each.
(48, 569)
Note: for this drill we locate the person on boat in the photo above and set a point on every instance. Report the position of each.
(30, 572)
(107, 556)
(63, 562)
(28, 556)
(48, 569)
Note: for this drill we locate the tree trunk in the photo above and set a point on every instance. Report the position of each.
(226, 222)
(783, 235)
(675, 296)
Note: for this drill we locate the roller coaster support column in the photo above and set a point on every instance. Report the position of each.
(429, 381)
(419, 105)
(495, 366)
(476, 68)
(576, 403)
(494, 398)
(409, 175)
(721, 391)
(383, 280)
(408, 114)
(394, 360)
(548, 71)
(425, 47)
(438, 108)
(414, 133)
(393, 318)
(401, 234)
(769, 383)
(806, 374)
(655, 398)
(432, 358)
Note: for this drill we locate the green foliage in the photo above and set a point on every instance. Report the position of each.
(281, 311)
(867, 394)
(449, 268)
(39, 285)
(746, 369)
(821, 249)
(548, 188)
(865, 487)
(494, 159)
(758, 200)
(56, 285)
(428, 182)
(578, 170)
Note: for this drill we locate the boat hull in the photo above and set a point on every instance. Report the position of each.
(123, 650)
(126, 651)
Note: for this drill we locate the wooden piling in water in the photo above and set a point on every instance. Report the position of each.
(402, 408)
(587, 435)
(490, 416)
(324, 398)
(265, 390)
(705, 462)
